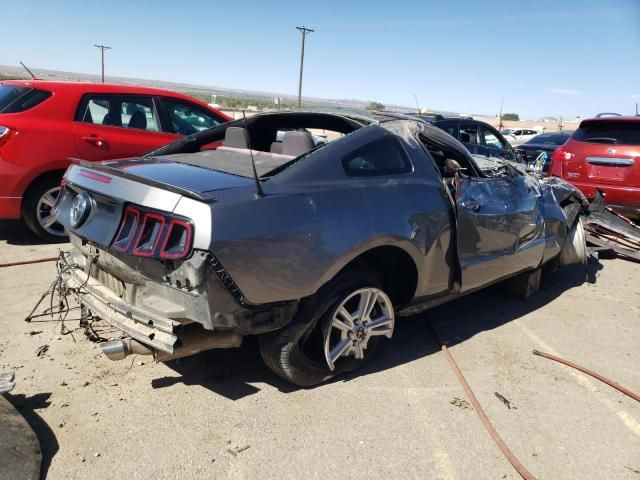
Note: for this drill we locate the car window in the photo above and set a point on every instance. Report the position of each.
(15, 98)
(549, 138)
(469, 134)
(609, 132)
(139, 113)
(186, 118)
(119, 111)
(451, 130)
(490, 139)
(382, 157)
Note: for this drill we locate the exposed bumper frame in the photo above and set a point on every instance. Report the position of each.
(146, 327)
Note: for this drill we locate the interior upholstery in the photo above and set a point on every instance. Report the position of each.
(297, 143)
(112, 118)
(138, 120)
(276, 147)
(236, 137)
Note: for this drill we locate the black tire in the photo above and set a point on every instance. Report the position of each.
(30, 206)
(292, 352)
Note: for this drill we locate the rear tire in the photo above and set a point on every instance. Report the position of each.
(297, 352)
(36, 208)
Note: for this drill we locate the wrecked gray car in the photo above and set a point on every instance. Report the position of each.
(318, 249)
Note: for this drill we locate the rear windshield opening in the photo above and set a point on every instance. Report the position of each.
(16, 98)
(610, 132)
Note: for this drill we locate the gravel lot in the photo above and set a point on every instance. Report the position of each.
(224, 415)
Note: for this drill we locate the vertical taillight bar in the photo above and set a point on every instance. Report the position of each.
(127, 230)
(184, 247)
(150, 233)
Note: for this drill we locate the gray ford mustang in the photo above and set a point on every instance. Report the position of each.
(256, 228)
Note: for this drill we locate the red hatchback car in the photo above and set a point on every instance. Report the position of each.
(43, 124)
(604, 154)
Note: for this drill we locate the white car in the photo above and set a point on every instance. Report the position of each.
(516, 136)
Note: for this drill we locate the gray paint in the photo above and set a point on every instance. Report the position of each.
(314, 219)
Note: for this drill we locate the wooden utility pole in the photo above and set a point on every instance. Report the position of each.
(304, 31)
(102, 49)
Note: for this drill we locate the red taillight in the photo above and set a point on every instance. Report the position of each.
(127, 230)
(149, 236)
(560, 154)
(177, 240)
(141, 233)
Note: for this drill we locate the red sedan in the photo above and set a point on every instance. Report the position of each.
(43, 124)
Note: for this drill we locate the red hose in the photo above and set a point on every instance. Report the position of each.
(27, 262)
(509, 455)
(602, 378)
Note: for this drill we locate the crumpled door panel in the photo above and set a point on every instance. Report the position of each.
(501, 228)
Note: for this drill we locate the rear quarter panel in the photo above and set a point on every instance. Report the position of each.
(289, 243)
(43, 143)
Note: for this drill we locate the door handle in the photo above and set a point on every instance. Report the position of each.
(472, 206)
(94, 139)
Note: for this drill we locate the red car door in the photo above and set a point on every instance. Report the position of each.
(118, 126)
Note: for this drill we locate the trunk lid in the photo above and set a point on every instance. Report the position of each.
(186, 178)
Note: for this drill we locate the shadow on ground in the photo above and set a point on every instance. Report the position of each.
(233, 373)
(27, 407)
(15, 232)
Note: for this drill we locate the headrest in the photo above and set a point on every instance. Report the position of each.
(236, 137)
(465, 137)
(297, 143)
(138, 120)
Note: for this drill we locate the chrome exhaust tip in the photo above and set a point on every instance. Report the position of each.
(122, 348)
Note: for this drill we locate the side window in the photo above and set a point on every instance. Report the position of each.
(118, 111)
(138, 112)
(382, 157)
(451, 131)
(469, 134)
(490, 139)
(95, 109)
(186, 118)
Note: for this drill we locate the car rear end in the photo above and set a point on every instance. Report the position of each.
(603, 154)
(17, 101)
(142, 261)
(537, 152)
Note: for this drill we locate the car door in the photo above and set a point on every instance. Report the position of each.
(117, 126)
(500, 227)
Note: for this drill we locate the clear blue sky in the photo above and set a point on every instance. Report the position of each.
(574, 57)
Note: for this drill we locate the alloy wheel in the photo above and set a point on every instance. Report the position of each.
(44, 213)
(363, 314)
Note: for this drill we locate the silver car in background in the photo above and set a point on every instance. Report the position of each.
(317, 248)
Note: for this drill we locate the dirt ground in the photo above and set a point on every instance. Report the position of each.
(224, 415)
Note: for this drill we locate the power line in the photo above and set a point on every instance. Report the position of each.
(102, 49)
(304, 31)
